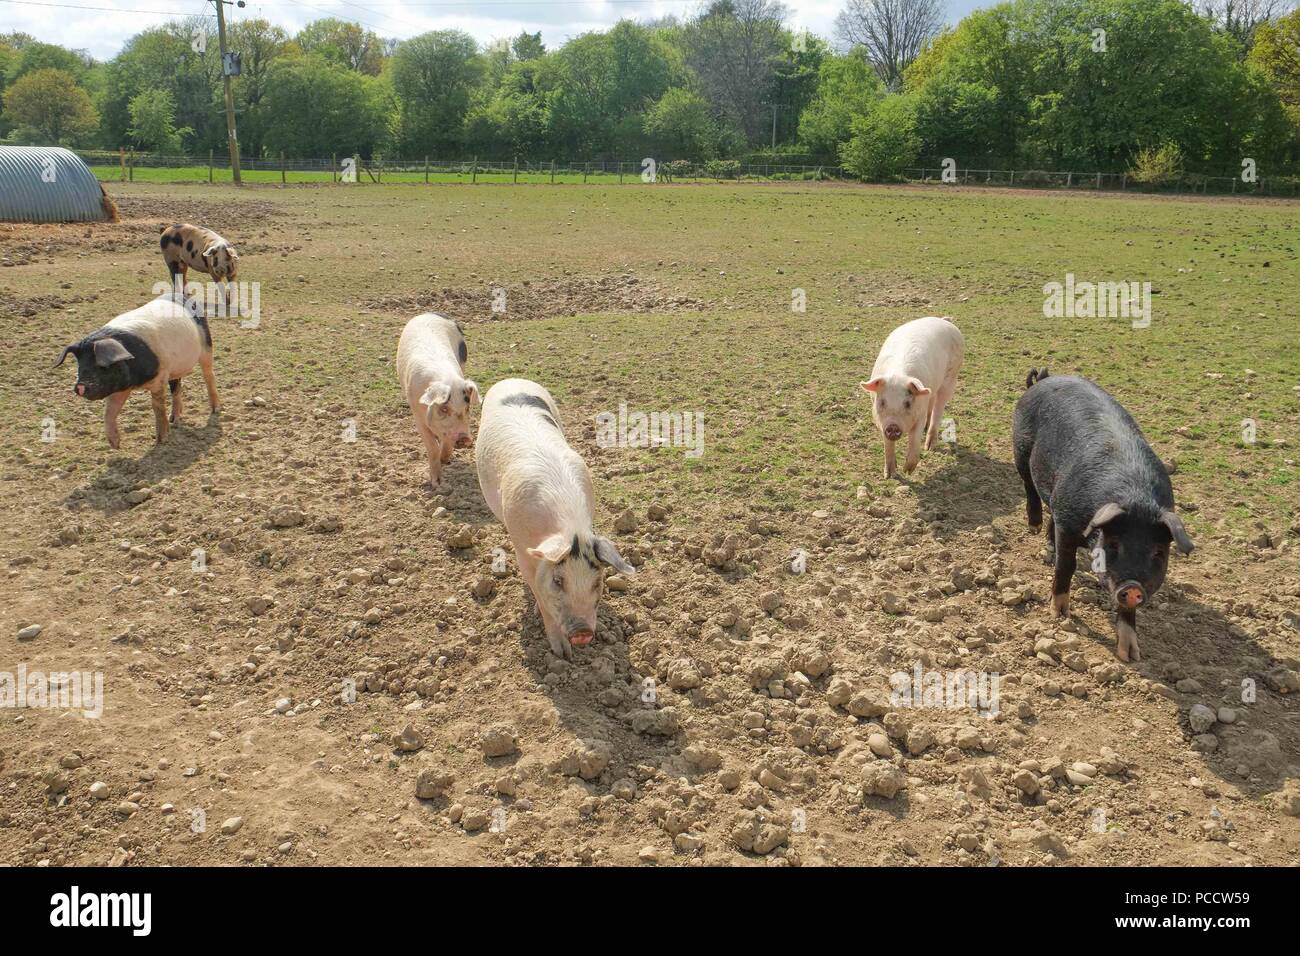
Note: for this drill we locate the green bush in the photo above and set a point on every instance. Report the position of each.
(1157, 166)
(884, 141)
(722, 169)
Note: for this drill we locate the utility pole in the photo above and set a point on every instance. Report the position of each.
(775, 107)
(230, 96)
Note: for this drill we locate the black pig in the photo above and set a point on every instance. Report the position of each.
(1078, 449)
(150, 348)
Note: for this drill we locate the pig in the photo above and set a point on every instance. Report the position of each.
(430, 368)
(540, 489)
(186, 247)
(1077, 449)
(914, 377)
(150, 348)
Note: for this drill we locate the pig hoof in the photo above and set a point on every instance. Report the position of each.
(1060, 605)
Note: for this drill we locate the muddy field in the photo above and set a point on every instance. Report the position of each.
(308, 657)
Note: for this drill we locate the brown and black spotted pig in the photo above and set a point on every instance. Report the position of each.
(186, 247)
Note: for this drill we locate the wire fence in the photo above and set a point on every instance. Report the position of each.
(1183, 183)
(128, 166)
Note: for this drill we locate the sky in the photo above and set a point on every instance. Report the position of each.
(102, 27)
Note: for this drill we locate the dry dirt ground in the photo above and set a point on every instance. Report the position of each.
(308, 657)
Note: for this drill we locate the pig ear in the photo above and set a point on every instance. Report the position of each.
(873, 385)
(436, 394)
(553, 549)
(608, 553)
(1175, 526)
(917, 387)
(64, 354)
(471, 393)
(108, 351)
(1105, 514)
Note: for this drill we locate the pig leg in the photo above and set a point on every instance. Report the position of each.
(1065, 560)
(175, 386)
(111, 409)
(1033, 503)
(158, 394)
(1051, 540)
(1126, 628)
(431, 448)
(447, 449)
(913, 448)
(890, 469)
(210, 381)
(936, 414)
(559, 646)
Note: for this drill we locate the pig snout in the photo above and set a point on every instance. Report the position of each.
(893, 432)
(464, 441)
(80, 389)
(1130, 595)
(580, 633)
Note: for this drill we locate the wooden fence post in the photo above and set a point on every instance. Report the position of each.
(210, 167)
(552, 172)
(474, 172)
(121, 160)
(282, 179)
(334, 167)
(130, 166)
(585, 167)
(516, 169)
(426, 170)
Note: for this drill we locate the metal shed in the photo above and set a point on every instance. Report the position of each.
(49, 184)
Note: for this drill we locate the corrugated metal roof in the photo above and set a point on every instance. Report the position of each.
(47, 184)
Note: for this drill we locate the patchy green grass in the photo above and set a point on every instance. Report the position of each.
(785, 421)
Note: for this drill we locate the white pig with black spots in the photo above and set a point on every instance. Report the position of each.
(541, 490)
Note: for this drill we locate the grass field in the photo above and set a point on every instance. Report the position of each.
(674, 298)
(181, 175)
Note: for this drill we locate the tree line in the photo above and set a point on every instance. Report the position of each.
(1087, 84)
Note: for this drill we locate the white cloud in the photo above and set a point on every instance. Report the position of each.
(103, 32)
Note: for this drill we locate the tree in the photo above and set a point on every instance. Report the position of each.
(181, 57)
(681, 123)
(1241, 19)
(893, 32)
(318, 107)
(347, 44)
(847, 87)
(33, 55)
(259, 44)
(528, 46)
(434, 75)
(884, 141)
(1276, 55)
(50, 104)
(599, 85)
(733, 46)
(153, 122)
(1088, 84)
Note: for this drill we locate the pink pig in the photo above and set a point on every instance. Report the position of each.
(540, 489)
(914, 376)
(430, 368)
